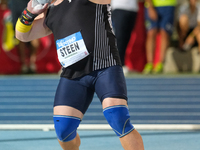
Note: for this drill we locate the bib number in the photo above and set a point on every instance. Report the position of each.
(71, 49)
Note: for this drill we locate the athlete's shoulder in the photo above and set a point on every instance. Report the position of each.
(101, 1)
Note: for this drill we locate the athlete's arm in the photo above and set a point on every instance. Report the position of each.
(39, 29)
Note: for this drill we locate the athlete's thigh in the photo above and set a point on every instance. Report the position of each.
(111, 84)
(73, 94)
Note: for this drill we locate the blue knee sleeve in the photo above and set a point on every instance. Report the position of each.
(65, 127)
(119, 119)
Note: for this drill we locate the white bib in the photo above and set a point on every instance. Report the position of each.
(71, 49)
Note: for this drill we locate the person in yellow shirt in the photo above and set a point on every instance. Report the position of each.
(26, 58)
(159, 16)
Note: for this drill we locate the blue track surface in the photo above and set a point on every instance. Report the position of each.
(162, 100)
(99, 140)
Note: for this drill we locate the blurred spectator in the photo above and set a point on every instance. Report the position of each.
(124, 13)
(159, 16)
(27, 65)
(8, 42)
(188, 25)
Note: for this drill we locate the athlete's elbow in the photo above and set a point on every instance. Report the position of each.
(21, 37)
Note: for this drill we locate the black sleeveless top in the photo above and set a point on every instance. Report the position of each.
(94, 23)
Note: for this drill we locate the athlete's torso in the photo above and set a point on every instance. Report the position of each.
(93, 22)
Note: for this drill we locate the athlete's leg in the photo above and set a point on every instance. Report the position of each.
(111, 89)
(132, 140)
(69, 111)
(71, 102)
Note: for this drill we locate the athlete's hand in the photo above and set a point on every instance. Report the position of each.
(36, 8)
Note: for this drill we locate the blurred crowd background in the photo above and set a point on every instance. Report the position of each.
(153, 37)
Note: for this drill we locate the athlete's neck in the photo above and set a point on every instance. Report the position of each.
(57, 2)
(101, 1)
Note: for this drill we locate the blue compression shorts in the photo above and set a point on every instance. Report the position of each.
(78, 93)
(165, 19)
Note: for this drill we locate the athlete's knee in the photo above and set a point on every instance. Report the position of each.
(119, 119)
(66, 127)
